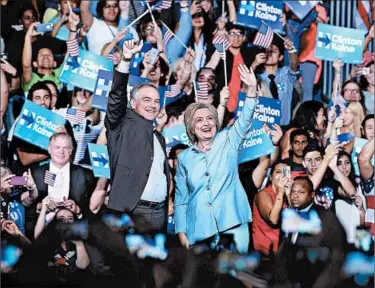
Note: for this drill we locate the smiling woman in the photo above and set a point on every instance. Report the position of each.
(210, 200)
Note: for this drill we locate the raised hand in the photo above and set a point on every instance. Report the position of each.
(30, 183)
(131, 47)
(124, 5)
(11, 228)
(332, 115)
(260, 59)
(288, 44)
(224, 95)
(337, 65)
(276, 134)
(71, 205)
(31, 31)
(8, 68)
(162, 117)
(119, 35)
(332, 150)
(247, 77)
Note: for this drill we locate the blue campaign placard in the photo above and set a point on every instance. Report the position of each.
(267, 111)
(175, 135)
(102, 88)
(334, 42)
(251, 13)
(135, 80)
(82, 71)
(37, 124)
(257, 143)
(358, 145)
(301, 8)
(99, 160)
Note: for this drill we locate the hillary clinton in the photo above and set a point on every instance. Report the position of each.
(210, 199)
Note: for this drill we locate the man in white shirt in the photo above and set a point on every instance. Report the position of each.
(66, 183)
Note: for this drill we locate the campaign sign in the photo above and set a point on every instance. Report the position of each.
(267, 111)
(134, 81)
(99, 160)
(301, 8)
(37, 124)
(175, 135)
(358, 145)
(257, 143)
(251, 13)
(135, 64)
(83, 70)
(102, 88)
(333, 42)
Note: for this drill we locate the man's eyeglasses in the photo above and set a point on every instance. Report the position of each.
(114, 6)
(28, 18)
(235, 34)
(352, 91)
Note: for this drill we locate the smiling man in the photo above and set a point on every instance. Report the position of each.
(139, 167)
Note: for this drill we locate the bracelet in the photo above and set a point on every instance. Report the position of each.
(292, 51)
(74, 31)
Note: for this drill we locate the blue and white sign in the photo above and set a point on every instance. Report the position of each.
(175, 135)
(99, 160)
(257, 143)
(135, 64)
(134, 81)
(37, 124)
(358, 145)
(82, 71)
(251, 13)
(102, 89)
(333, 42)
(267, 111)
(301, 8)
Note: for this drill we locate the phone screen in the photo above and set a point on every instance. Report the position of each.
(18, 180)
(286, 171)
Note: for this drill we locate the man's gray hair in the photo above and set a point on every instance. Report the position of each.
(189, 118)
(134, 94)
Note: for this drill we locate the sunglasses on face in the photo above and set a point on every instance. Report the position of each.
(114, 6)
(197, 15)
(235, 34)
(28, 18)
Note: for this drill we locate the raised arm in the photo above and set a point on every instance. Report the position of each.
(83, 259)
(224, 96)
(41, 222)
(27, 53)
(364, 160)
(174, 48)
(4, 93)
(317, 178)
(118, 100)
(232, 11)
(180, 203)
(293, 56)
(337, 65)
(347, 188)
(87, 18)
(237, 132)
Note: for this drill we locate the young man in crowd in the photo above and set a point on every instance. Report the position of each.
(281, 80)
(299, 139)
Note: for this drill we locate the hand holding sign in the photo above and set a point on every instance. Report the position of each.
(276, 133)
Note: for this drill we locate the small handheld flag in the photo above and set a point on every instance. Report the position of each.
(167, 36)
(264, 36)
(49, 178)
(162, 5)
(172, 91)
(74, 115)
(202, 90)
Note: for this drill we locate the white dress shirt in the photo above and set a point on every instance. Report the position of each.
(156, 187)
(62, 182)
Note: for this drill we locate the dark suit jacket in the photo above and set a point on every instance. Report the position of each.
(82, 184)
(130, 147)
(292, 268)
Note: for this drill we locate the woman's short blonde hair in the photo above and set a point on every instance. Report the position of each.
(189, 118)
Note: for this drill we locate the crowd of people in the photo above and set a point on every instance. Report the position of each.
(195, 193)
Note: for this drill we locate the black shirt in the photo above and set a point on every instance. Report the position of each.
(295, 168)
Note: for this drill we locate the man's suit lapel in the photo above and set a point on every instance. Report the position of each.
(73, 182)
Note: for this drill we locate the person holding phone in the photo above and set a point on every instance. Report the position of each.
(267, 207)
(210, 199)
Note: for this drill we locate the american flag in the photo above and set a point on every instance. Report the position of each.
(162, 5)
(221, 49)
(167, 36)
(73, 47)
(220, 39)
(202, 90)
(172, 91)
(264, 36)
(49, 178)
(74, 115)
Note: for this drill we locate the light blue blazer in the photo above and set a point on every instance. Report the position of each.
(209, 195)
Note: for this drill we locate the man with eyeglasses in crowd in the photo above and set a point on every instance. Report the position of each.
(236, 55)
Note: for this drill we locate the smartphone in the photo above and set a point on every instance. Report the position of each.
(154, 53)
(285, 170)
(18, 181)
(46, 27)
